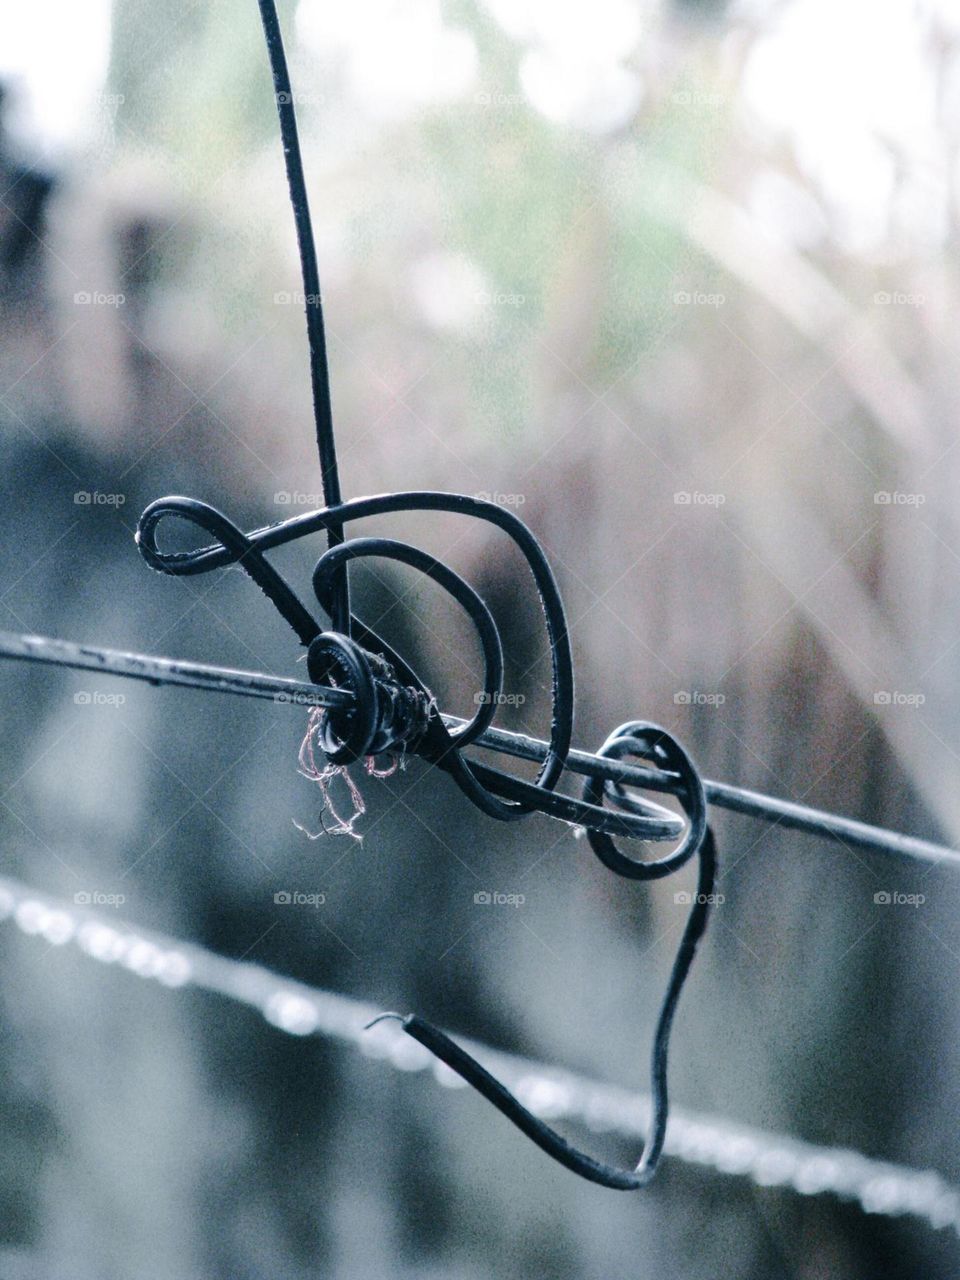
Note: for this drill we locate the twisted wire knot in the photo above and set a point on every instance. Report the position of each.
(392, 711)
(386, 716)
(393, 708)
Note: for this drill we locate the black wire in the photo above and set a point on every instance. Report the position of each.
(476, 609)
(243, 551)
(310, 274)
(494, 792)
(546, 1138)
(789, 814)
(392, 708)
(156, 671)
(348, 734)
(372, 701)
(847, 832)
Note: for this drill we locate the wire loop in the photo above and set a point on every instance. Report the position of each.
(392, 711)
(648, 742)
(496, 793)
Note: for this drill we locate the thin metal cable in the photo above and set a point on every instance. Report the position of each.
(310, 274)
(394, 711)
(753, 804)
(391, 709)
(168, 671)
(469, 1068)
(726, 1147)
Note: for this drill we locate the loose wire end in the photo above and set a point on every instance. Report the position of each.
(382, 1017)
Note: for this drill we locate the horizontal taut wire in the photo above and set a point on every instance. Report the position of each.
(754, 804)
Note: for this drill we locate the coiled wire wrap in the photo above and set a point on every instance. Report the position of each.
(392, 709)
(497, 793)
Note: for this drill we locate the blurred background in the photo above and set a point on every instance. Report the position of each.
(678, 282)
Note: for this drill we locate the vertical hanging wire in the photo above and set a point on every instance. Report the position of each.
(316, 336)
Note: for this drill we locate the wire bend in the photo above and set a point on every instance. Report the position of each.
(547, 1138)
(496, 793)
(389, 707)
